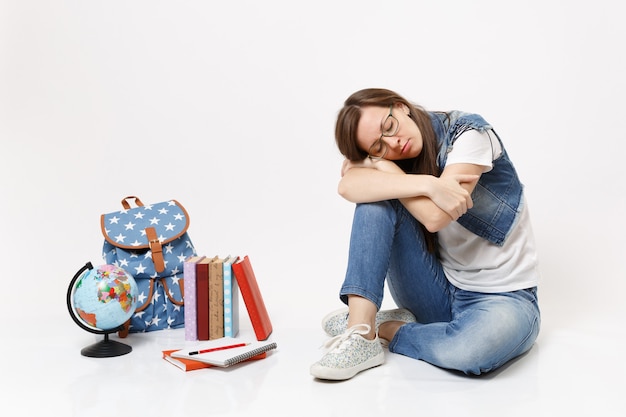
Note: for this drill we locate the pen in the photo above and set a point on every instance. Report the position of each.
(197, 352)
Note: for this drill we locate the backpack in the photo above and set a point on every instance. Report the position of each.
(151, 243)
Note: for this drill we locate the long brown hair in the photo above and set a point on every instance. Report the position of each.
(348, 121)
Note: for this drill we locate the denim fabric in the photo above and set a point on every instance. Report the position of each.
(462, 330)
(498, 195)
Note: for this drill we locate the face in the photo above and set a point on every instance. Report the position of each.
(404, 143)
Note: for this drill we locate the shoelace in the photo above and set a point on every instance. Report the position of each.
(338, 340)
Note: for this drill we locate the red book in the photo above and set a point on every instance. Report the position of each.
(202, 298)
(251, 294)
(184, 364)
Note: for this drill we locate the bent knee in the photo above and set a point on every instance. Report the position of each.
(490, 348)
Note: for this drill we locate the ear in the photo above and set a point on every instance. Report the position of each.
(405, 109)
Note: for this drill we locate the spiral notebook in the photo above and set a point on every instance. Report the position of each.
(224, 352)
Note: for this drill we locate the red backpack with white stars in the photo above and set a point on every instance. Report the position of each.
(151, 243)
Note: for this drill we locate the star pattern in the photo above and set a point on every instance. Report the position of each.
(158, 310)
(129, 225)
(126, 245)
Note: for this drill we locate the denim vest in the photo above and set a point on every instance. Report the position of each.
(498, 195)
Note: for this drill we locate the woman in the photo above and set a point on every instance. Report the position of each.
(440, 217)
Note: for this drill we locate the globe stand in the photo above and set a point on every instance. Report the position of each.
(106, 348)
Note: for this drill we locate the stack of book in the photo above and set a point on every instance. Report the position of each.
(212, 288)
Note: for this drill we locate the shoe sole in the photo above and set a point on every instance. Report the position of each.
(341, 374)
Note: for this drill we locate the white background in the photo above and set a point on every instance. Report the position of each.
(229, 107)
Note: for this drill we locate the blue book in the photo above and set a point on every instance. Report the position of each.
(231, 299)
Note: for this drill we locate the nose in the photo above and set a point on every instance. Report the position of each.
(392, 141)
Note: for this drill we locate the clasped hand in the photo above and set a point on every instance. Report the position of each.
(450, 195)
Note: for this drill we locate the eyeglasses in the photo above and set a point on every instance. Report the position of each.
(389, 127)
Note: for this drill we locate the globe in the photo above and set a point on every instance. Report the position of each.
(100, 300)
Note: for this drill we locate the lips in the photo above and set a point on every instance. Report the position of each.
(404, 148)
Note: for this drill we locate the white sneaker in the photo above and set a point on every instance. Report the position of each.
(349, 353)
(336, 322)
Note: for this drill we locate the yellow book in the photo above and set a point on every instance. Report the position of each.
(216, 299)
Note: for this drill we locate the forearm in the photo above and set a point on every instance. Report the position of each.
(427, 213)
(367, 185)
(432, 216)
(434, 202)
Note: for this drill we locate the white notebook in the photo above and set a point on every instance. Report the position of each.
(220, 352)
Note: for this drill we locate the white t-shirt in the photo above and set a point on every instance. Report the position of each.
(473, 263)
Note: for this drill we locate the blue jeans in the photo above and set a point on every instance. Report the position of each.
(462, 330)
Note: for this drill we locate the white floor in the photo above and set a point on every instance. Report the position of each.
(576, 366)
(98, 99)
